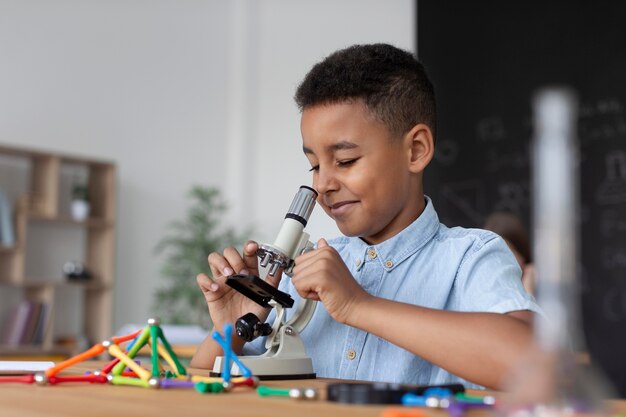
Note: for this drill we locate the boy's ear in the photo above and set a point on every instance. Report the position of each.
(421, 147)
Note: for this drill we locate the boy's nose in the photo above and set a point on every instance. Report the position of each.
(324, 182)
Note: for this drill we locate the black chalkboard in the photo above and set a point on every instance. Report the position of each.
(486, 59)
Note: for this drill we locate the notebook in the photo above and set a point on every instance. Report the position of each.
(23, 367)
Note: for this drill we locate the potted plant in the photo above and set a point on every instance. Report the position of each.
(186, 247)
(80, 202)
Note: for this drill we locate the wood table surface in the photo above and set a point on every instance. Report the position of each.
(83, 399)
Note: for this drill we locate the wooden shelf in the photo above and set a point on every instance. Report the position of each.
(64, 221)
(27, 351)
(40, 203)
(24, 152)
(56, 283)
(7, 249)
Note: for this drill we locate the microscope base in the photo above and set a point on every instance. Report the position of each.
(270, 368)
(272, 377)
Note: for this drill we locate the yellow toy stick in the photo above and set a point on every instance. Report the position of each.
(115, 350)
(166, 355)
(210, 379)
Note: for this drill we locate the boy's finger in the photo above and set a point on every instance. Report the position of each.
(206, 284)
(220, 268)
(250, 258)
(235, 261)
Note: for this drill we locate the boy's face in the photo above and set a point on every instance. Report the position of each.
(360, 172)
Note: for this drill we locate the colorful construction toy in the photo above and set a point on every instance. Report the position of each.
(124, 370)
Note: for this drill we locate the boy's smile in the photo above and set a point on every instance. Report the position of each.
(361, 173)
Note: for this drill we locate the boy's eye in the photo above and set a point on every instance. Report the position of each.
(347, 162)
(314, 168)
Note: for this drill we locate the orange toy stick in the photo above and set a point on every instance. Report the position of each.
(403, 412)
(95, 350)
(121, 339)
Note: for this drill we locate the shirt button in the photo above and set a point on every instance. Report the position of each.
(358, 263)
(388, 264)
(351, 354)
(371, 253)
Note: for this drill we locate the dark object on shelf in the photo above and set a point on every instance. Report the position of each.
(76, 271)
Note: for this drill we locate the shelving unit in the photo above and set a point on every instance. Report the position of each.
(41, 204)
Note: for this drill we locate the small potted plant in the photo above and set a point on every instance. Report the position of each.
(186, 247)
(80, 202)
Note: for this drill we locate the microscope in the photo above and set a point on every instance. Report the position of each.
(285, 357)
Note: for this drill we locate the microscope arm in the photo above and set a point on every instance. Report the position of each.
(303, 314)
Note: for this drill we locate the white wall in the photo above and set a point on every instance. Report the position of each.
(291, 36)
(177, 93)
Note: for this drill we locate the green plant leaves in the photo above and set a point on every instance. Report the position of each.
(185, 249)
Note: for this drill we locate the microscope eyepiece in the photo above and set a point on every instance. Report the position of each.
(302, 205)
(291, 237)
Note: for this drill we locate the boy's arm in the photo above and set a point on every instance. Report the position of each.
(479, 347)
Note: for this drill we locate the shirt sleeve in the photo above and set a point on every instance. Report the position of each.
(489, 279)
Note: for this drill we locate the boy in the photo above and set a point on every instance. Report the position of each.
(403, 298)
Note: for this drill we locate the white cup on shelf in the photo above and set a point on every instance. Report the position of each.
(80, 210)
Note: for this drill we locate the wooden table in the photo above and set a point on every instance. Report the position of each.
(80, 399)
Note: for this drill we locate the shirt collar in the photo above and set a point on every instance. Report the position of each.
(393, 251)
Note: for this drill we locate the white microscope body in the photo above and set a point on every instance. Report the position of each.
(285, 357)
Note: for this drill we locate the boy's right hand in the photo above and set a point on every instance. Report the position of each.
(226, 305)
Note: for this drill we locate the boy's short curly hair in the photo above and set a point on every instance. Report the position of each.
(391, 82)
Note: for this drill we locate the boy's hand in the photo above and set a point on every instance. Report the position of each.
(226, 305)
(322, 275)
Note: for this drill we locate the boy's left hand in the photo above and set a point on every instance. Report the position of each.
(323, 276)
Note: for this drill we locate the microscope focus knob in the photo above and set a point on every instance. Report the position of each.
(249, 327)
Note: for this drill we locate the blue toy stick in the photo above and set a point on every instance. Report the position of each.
(131, 343)
(228, 351)
(245, 371)
(226, 348)
(229, 355)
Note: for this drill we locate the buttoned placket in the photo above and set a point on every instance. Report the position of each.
(369, 273)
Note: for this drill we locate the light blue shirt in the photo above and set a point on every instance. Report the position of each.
(427, 264)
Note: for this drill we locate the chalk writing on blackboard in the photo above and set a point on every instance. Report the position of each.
(612, 223)
(468, 197)
(490, 129)
(513, 196)
(613, 189)
(601, 120)
(603, 106)
(614, 304)
(613, 258)
(446, 152)
(498, 160)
